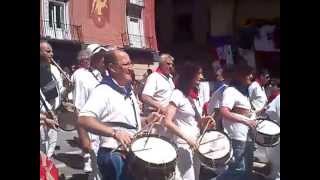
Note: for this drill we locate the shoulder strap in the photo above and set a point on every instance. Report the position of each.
(197, 114)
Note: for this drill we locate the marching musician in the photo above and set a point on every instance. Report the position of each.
(257, 93)
(159, 86)
(51, 85)
(235, 110)
(183, 116)
(85, 79)
(112, 111)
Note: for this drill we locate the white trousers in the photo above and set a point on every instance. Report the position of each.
(188, 166)
(273, 155)
(95, 142)
(48, 140)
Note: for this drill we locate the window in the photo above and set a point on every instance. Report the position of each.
(56, 14)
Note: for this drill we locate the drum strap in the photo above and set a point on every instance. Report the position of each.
(121, 124)
(197, 114)
(44, 103)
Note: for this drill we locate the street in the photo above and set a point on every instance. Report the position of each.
(68, 158)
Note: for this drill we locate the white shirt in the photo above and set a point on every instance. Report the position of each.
(204, 92)
(216, 99)
(233, 98)
(159, 87)
(107, 105)
(58, 77)
(273, 154)
(185, 116)
(273, 109)
(84, 82)
(257, 96)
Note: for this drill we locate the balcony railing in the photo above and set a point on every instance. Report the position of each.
(60, 31)
(137, 2)
(137, 41)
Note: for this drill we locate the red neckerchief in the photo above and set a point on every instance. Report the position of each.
(193, 93)
(259, 82)
(159, 71)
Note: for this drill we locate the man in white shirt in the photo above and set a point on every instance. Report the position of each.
(51, 86)
(159, 86)
(273, 154)
(112, 111)
(235, 110)
(85, 80)
(257, 93)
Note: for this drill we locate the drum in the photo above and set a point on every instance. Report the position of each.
(267, 133)
(67, 117)
(152, 157)
(214, 150)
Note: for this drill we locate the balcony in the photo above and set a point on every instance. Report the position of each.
(60, 31)
(137, 41)
(137, 2)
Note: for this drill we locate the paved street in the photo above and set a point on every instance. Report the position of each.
(68, 157)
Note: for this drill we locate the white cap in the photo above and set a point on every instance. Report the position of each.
(95, 48)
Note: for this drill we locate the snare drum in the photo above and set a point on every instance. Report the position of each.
(67, 117)
(267, 133)
(214, 150)
(152, 157)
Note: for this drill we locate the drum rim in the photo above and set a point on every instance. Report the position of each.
(62, 109)
(197, 150)
(167, 164)
(272, 145)
(271, 122)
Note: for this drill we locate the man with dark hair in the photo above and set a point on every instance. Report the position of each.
(257, 93)
(112, 111)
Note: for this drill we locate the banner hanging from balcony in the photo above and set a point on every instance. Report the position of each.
(99, 11)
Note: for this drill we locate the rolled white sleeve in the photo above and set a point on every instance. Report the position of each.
(150, 87)
(176, 97)
(228, 99)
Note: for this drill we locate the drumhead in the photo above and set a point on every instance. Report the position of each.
(214, 145)
(154, 150)
(268, 127)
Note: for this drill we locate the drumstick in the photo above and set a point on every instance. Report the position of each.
(142, 149)
(206, 127)
(150, 132)
(151, 124)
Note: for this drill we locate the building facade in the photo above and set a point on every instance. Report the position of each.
(69, 25)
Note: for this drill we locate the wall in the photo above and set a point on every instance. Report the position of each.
(148, 14)
(108, 32)
(221, 13)
(265, 9)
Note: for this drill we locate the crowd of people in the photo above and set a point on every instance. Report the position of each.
(112, 107)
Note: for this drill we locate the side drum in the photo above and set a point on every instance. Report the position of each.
(67, 117)
(267, 133)
(152, 157)
(214, 150)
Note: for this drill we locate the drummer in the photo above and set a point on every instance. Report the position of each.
(112, 112)
(257, 93)
(182, 119)
(235, 108)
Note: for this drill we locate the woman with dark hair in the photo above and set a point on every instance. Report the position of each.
(183, 115)
(235, 109)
